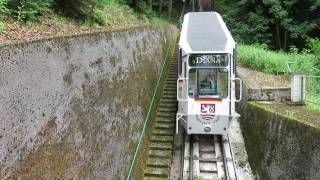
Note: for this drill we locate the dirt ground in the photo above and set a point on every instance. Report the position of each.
(260, 80)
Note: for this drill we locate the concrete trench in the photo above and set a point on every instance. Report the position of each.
(64, 114)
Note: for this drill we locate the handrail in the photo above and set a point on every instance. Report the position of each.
(148, 114)
(178, 94)
(290, 63)
(240, 91)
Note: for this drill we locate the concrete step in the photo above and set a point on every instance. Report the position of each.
(168, 139)
(172, 78)
(156, 162)
(156, 172)
(166, 114)
(171, 101)
(160, 153)
(171, 86)
(160, 146)
(159, 125)
(168, 105)
(166, 120)
(155, 178)
(166, 96)
(170, 89)
(171, 82)
(166, 109)
(163, 132)
(170, 92)
(172, 75)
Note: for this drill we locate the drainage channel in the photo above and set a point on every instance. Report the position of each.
(162, 134)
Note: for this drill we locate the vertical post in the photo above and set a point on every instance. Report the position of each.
(169, 9)
(298, 88)
(193, 6)
(150, 3)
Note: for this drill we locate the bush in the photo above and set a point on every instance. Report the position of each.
(25, 10)
(2, 26)
(314, 45)
(3, 7)
(146, 10)
(83, 9)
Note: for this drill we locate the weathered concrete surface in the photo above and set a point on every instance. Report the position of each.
(263, 87)
(73, 107)
(239, 152)
(280, 144)
(283, 142)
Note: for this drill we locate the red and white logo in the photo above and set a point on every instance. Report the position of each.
(208, 111)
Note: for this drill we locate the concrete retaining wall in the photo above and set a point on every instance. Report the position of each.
(283, 142)
(73, 107)
(280, 146)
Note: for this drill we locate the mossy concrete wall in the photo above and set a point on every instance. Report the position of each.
(280, 146)
(283, 142)
(73, 107)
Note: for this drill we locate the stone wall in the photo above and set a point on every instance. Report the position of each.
(73, 107)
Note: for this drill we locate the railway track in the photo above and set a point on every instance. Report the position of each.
(207, 157)
(162, 134)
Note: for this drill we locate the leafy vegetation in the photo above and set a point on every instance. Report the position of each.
(95, 11)
(279, 24)
(258, 57)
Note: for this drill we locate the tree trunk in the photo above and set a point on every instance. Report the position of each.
(200, 5)
(212, 5)
(285, 40)
(150, 3)
(278, 34)
(204, 5)
(170, 9)
(160, 7)
(193, 6)
(135, 3)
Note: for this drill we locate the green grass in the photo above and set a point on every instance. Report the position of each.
(2, 26)
(161, 20)
(271, 62)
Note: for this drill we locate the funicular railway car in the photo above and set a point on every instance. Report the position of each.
(206, 75)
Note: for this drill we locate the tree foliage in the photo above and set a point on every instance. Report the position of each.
(27, 9)
(277, 23)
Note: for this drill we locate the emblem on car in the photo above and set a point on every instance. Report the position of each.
(207, 111)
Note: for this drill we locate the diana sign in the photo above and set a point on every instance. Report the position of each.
(206, 60)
